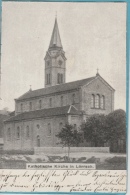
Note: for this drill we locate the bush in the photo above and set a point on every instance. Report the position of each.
(39, 160)
(93, 160)
(116, 159)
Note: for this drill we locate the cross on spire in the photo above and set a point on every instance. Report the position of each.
(97, 72)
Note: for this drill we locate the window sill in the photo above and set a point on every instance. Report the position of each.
(98, 108)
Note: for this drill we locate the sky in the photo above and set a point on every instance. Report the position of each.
(93, 36)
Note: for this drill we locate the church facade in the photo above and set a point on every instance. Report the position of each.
(41, 114)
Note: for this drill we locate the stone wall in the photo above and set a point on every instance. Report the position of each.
(60, 150)
(38, 129)
(97, 87)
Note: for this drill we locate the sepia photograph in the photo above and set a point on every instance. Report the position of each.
(63, 86)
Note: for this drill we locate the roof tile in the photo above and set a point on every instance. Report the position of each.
(55, 89)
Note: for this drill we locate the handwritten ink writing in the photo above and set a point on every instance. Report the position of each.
(63, 181)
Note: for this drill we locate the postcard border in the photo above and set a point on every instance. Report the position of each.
(127, 82)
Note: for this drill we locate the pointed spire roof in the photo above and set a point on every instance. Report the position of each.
(55, 38)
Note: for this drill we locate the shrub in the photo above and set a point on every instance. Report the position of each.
(116, 159)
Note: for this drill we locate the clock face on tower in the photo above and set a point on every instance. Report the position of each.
(60, 62)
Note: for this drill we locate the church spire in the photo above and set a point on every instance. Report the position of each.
(55, 38)
(55, 60)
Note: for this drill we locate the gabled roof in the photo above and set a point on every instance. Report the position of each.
(55, 38)
(58, 111)
(55, 89)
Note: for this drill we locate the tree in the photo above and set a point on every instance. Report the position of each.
(116, 126)
(94, 129)
(69, 136)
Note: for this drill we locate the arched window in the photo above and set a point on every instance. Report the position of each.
(60, 126)
(61, 78)
(92, 101)
(102, 102)
(18, 133)
(38, 128)
(50, 102)
(38, 141)
(8, 134)
(61, 100)
(97, 101)
(49, 130)
(21, 107)
(46, 78)
(49, 79)
(73, 99)
(30, 106)
(40, 104)
(27, 132)
(58, 78)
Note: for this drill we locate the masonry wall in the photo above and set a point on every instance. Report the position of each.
(24, 143)
(45, 101)
(53, 68)
(97, 87)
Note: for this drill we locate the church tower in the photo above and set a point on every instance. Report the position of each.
(55, 60)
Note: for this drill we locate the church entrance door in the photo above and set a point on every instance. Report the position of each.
(38, 141)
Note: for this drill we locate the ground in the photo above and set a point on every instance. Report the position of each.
(103, 161)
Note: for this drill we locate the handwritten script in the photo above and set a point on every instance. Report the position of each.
(62, 181)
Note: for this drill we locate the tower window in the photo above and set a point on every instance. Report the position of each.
(73, 99)
(49, 130)
(30, 106)
(61, 78)
(27, 132)
(102, 102)
(92, 101)
(48, 79)
(58, 78)
(97, 101)
(18, 133)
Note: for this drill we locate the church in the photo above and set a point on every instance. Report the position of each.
(40, 114)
